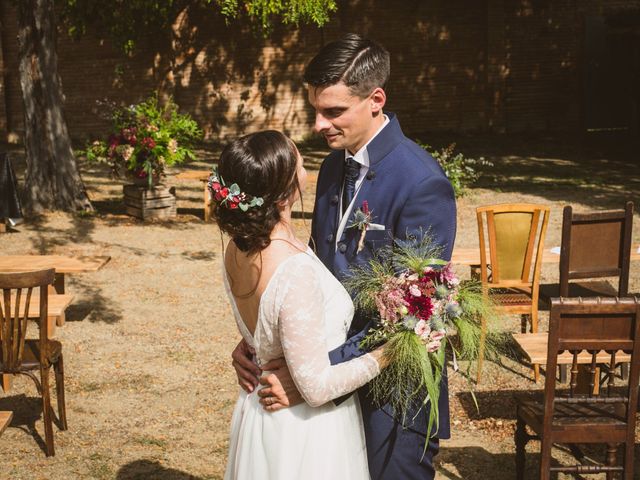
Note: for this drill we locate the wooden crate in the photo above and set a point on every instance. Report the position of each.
(154, 202)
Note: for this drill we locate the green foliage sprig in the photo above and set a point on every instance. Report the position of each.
(461, 171)
(126, 21)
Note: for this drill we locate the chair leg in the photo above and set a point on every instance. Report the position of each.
(521, 442)
(46, 411)
(534, 321)
(628, 460)
(612, 450)
(58, 368)
(483, 336)
(564, 373)
(624, 371)
(536, 372)
(545, 460)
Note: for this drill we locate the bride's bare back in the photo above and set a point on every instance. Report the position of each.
(249, 275)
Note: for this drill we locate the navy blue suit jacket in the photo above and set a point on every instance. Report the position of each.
(408, 193)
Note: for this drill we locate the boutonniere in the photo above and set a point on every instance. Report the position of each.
(362, 218)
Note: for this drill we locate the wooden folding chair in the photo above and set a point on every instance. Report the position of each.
(512, 276)
(594, 325)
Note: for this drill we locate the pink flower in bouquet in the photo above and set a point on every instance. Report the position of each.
(447, 275)
(435, 340)
(422, 329)
(390, 302)
(415, 290)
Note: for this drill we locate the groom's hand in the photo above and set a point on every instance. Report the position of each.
(247, 371)
(279, 389)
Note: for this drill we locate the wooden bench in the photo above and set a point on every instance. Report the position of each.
(5, 420)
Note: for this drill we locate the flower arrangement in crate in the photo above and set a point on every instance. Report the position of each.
(146, 138)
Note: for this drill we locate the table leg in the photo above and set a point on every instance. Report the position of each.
(3, 225)
(51, 325)
(207, 203)
(58, 283)
(6, 381)
(58, 288)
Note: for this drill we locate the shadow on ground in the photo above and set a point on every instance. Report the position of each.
(478, 462)
(152, 470)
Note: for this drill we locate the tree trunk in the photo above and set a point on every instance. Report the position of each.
(53, 181)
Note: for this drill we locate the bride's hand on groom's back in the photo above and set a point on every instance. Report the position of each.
(279, 389)
(246, 370)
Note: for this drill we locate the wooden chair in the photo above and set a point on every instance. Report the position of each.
(512, 277)
(594, 245)
(24, 356)
(596, 324)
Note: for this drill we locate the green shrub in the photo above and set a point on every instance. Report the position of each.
(461, 171)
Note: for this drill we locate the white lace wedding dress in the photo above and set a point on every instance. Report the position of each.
(304, 312)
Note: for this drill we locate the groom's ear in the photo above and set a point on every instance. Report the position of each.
(377, 98)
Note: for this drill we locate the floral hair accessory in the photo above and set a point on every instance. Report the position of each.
(230, 196)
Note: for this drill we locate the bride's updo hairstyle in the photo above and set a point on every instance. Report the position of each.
(262, 164)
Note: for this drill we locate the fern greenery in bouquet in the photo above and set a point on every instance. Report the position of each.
(145, 138)
(422, 309)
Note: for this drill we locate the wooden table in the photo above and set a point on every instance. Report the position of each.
(535, 347)
(62, 264)
(471, 256)
(5, 420)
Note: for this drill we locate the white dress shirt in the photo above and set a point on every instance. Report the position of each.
(362, 157)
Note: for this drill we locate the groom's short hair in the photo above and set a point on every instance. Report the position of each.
(361, 64)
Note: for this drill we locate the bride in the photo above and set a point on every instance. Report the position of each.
(286, 304)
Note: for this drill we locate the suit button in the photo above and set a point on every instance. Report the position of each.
(330, 237)
(342, 247)
(334, 200)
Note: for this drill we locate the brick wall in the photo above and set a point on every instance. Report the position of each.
(462, 65)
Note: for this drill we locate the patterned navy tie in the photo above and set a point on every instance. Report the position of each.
(351, 173)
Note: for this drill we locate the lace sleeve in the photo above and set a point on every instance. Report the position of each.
(301, 325)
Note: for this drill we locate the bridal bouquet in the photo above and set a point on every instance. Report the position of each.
(421, 309)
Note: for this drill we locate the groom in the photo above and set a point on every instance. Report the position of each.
(406, 191)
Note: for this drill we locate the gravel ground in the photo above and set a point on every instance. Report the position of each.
(147, 341)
